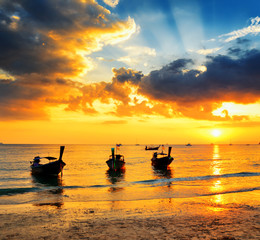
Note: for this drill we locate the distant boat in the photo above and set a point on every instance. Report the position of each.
(188, 145)
(162, 162)
(115, 161)
(51, 168)
(152, 148)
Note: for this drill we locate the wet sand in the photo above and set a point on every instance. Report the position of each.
(186, 220)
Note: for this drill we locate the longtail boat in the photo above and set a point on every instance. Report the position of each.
(115, 161)
(54, 167)
(162, 162)
(152, 148)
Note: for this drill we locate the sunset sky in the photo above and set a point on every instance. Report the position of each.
(139, 71)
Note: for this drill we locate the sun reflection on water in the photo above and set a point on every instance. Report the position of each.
(216, 152)
(216, 164)
(216, 184)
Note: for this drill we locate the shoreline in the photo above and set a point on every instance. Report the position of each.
(186, 219)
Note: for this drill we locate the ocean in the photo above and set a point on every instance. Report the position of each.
(224, 174)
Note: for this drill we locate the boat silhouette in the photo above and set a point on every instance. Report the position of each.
(115, 161)
(162, 162)
(51, 168)
(152, 148)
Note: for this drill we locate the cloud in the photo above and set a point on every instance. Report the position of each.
(178, 90)
(53, 40)
(111, 3)
(27, 97)
(19, 102)
(137, 55)
(254, 28)
(240, 37)
(175, 90)
(207, 51)
(115, 122)
(123, 75)
(44, 49)
(247, 124)
(45, 43)
(226, 79)
(197, 93)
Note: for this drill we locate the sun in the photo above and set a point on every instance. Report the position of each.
(216, 132)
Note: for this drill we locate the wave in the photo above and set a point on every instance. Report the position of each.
(199, 178)
(14, 191)
(147, 183)
(231, 191)
(7, 179)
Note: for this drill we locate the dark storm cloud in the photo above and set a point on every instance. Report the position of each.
(235, 51)
(242, 41)
(45, 36)
(24, 35)
(16, 101)
(177, 91)
(226, 79)
(43, 43)
(21, 41)
(48, 13)
(11, 90)
(123, 75)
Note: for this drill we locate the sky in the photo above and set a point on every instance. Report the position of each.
(118, 71)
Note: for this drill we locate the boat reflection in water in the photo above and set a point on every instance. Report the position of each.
(166, 186)
(115, 177)
(163, 172)
(50, 190)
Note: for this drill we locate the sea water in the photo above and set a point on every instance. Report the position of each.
(224, 173)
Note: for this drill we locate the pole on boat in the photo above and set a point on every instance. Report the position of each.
(169, 151)
(61, 152)
(113, 157)
(113, 153)
(60, 159)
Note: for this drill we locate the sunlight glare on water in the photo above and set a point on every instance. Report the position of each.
(214, 171)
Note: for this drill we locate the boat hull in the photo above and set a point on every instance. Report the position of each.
(161, 162)
(115, 165)
(151, 148)
(52, 168)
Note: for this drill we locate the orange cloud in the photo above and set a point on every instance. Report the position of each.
(49, 45)
(47, 51)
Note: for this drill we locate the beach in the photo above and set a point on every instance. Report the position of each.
(208, 192)
(186, 220)
(129, 120)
